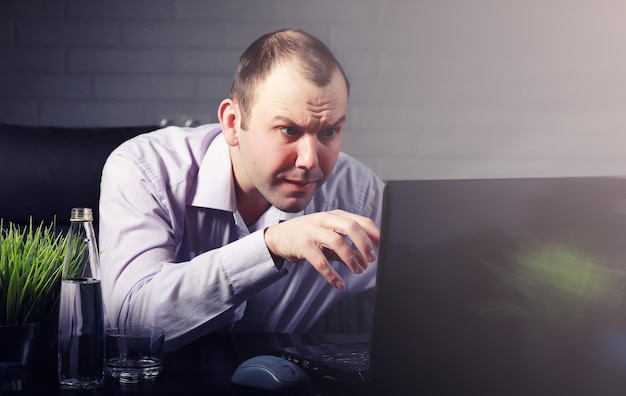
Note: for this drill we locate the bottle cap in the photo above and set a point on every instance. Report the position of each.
(81, 214)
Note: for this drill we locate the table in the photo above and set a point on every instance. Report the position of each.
(204, 367)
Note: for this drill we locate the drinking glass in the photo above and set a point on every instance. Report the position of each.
(133, 353)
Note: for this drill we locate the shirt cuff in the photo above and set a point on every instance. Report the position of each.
(249, 265)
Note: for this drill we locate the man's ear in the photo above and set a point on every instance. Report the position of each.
(228, 114)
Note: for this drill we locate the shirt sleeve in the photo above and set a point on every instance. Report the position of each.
(142, 283)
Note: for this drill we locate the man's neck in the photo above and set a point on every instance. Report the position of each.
(251, 211)
(251, 204)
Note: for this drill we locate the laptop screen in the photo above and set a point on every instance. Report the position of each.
(507, 286)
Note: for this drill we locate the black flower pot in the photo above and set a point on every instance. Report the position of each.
(17, 343)
(35, 346)
(17, 346)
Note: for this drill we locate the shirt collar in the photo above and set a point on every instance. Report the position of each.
(215, 186)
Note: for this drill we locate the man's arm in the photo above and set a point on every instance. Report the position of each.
(140, 231)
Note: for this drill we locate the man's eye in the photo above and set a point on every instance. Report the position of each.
(289, 131)
(330, 133)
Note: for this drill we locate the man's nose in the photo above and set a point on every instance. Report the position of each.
(307, 152)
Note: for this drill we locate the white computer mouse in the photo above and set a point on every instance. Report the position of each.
(269, 372)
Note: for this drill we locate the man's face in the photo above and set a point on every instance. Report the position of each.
(293, 138)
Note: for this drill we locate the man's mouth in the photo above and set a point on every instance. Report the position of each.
(301, 185)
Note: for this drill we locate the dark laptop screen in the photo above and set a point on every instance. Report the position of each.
(502, 286)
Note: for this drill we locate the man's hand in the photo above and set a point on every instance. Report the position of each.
(320, 236)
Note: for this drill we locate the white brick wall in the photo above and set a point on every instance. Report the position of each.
(478, 88)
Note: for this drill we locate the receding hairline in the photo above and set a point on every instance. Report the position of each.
(309, 55)
(297, 35)
(296, 65)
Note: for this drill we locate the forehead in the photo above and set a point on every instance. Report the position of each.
(286, 89)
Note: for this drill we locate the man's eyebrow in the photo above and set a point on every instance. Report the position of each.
(340, 121)
(289, 121)
(284, 120)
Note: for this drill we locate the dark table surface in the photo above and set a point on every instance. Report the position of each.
(204, 367)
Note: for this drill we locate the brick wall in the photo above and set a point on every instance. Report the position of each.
(450, 88)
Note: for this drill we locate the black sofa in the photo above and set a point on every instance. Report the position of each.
(46, 171)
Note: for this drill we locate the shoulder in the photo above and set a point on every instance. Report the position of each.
(171, 141)
(348, 166)
(352, 186)
(168, 149)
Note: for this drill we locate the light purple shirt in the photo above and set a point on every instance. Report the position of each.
(176, 253)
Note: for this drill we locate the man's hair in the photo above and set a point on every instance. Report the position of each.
(312, 57)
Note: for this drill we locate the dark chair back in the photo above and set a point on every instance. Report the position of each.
(46, 171)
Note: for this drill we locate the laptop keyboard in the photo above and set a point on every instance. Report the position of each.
(350, 359)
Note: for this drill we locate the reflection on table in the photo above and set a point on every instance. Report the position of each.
(203, 367)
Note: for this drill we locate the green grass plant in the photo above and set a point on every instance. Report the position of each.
(31, 263)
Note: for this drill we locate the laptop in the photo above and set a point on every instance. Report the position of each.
(495, 286)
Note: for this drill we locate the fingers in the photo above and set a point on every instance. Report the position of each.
(319, 261)
(362, 231)
(320, 236)
(334, 246)
(365, 223)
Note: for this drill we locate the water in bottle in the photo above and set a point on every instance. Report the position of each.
(81, 312)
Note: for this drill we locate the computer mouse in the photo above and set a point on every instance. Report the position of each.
(270, 373)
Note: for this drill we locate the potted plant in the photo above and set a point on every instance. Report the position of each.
(31, 259)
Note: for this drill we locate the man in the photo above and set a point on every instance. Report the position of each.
(258, 223)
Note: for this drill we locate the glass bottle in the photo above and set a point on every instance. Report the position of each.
(81, 311)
